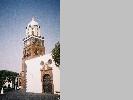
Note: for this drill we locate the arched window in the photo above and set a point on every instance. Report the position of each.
(32, 32)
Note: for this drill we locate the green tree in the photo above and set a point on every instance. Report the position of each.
(56, 54)
(4, 74)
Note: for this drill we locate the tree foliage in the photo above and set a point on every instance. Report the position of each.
(56, 54)
(6, 74)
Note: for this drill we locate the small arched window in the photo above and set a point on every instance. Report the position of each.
(32, 32)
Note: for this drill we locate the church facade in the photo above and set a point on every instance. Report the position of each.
(39, 73)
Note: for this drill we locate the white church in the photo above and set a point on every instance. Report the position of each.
(39, 73)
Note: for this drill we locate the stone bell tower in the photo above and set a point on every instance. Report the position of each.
(33, 47)
(34, 42)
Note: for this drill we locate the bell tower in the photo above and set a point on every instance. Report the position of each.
(33, 47)
(33, 42)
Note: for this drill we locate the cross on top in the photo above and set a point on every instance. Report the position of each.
(33, 18)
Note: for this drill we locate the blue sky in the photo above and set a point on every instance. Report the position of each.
(14, 17)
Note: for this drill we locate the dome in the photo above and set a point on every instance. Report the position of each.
(33, 22)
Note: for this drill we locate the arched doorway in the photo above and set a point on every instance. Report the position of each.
(47, 84)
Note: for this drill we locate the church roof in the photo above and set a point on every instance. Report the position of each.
(33, 22)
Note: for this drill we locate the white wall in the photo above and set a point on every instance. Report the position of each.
(34, 75)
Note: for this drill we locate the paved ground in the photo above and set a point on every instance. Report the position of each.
(19, 95)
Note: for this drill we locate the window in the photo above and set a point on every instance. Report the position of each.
(32, 32)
